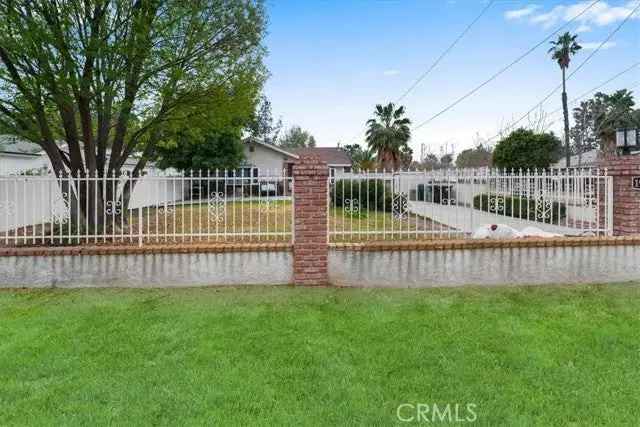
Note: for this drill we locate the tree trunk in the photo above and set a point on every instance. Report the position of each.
(93, 207)
(565, 109)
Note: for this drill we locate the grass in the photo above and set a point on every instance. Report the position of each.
(291, 356)
(276, 217)
(237, 221)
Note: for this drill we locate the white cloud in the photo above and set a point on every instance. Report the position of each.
(391, 72)
(520, 13)
(601, 14)
(594, 45)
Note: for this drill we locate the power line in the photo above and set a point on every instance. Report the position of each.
(606, 82)
(439, 59)
(505, 68)
(445, 52)
(574, 100)
(582, 64)
(577, 98)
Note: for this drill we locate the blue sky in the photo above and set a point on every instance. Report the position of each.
(332, 61)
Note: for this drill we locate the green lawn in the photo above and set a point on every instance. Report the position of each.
(304, 356)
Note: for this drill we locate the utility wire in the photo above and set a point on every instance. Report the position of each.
(505, 68)
(445, 52)
(577, 98)
(574, 100)
(439, 59)
(582, 64)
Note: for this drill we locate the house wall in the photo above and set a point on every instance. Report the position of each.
(267, 161)
(16, 163)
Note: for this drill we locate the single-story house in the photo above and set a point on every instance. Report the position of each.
(337, 159)
(20, 157)
(263, 159)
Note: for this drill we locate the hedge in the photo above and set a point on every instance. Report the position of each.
(371, 194)
(520, 207)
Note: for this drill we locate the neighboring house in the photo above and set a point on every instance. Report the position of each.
(18, 156)
(587, 159)
(337, 159)
(264, 159)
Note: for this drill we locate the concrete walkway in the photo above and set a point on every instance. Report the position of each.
(468, 219)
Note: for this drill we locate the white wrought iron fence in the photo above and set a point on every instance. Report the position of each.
(453, 203)
(244, 205)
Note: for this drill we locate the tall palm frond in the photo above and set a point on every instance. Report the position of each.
(388, 133)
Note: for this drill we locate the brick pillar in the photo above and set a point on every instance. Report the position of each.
(626, 199)
(310, 249)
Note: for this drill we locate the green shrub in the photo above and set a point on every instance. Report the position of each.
(520, 207)
(372, 194)
(526, 149)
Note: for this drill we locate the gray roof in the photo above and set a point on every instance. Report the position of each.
(17, 145)
(330, 155)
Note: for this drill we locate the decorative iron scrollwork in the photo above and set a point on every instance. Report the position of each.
(496, 204)
(113, 207)
(266, 205)
(544, 207)
(399, 206)
(166, 210)
(351, 206)
(60, 214)
(8, 208)
(216, 206)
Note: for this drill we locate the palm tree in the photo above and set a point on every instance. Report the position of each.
(561, 51)
(365, 160)
(388, 133)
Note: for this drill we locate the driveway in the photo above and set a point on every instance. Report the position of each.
(468, 219)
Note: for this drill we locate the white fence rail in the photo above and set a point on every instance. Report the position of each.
(246, 206)
(453, 203)
(203, 206)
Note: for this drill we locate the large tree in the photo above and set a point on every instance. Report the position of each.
(561, 51)
(95, 81)
(213, 139)
(525, 149)
(296, 137)
(263, 127)
(388, 133)
(479, 156)
(363, 159)
(597, 119)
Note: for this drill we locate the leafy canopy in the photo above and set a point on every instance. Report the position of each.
(363, 159)
(597, 119)
(479, 156)
(527, 150)
(118, 74)
(296, 137)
